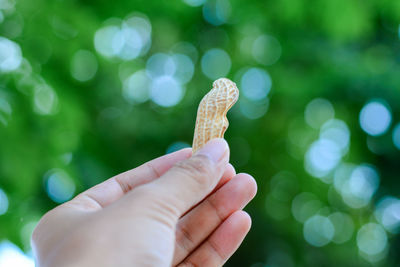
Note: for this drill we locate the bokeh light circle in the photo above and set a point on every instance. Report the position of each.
(194, 2)
(255, 84)
(253, 109)
(166, 91)
(59, 185)
(318, 111)
(305, 205)
(344, 227)
(387, 212)
(12, 255)
(216, 63)
(26, 233)
(372, 239)
(128, 43)
(5, 111)
(103, 41)
(217, 12)
(398, 31)
(396, 136)
(84, 65)
(160, 64)
(187, 49)
(338, 132)
(179, 66)
(3, 202)
(266, 50)
(10, 55)
(7, 5)
(342, 175)
(318, 231)
(45, 100)
(126, 39)
(141, 24)
(136, 32)
(279, 257)
(136, 87)
(375, 117)
(177, 146)
(358, 189)
(184, 68)
(322, 157)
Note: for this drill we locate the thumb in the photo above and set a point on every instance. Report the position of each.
(191, 180)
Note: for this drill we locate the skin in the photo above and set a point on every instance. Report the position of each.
(175, 210)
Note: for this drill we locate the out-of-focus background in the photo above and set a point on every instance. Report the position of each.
(89, 89)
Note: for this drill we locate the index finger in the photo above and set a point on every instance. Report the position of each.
(114, 188)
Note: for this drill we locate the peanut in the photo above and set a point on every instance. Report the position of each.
(211, 121)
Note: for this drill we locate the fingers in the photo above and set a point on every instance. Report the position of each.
(217, 249)
(114, 188)
(229, 173)
(151, 170)
(187, 183)
(200, 222)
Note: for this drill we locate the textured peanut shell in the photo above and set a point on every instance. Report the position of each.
(211, 121)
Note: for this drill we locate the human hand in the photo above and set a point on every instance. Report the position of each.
(176, 210)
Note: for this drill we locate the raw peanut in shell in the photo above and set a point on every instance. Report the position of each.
(211, 121)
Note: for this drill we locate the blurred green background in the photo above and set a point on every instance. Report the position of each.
(89, 89)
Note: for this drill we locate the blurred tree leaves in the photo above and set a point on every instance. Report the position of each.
(346, 51)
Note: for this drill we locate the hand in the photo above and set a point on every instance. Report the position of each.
(176, 210)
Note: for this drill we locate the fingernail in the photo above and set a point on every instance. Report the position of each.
(216, 149)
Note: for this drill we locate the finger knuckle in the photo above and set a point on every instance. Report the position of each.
(199, 168)
(185, 239)
(158, 208)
